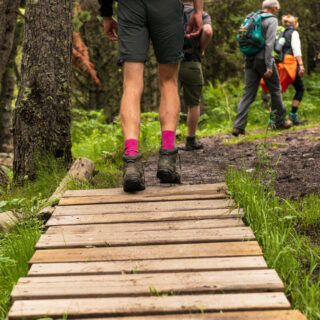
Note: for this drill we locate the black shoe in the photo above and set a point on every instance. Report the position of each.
(167, 170)
(237, 131)
(133, 175)
(283, 126)
(193, 144)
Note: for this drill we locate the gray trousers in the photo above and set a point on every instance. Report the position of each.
(254, 71)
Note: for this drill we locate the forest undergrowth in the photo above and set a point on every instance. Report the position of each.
(285, 245)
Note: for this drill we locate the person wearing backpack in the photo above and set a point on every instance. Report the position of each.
(138, 22)
(190, 73)
(256, 38)
(289, 63)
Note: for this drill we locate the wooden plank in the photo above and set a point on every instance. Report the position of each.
(147, 305)
(100, 238)
(249, 315)
(148, 266)
(149, 195)
(60, 220)
(145, 207)
(165, 188)
(147, 226)
(128, 198)
(198, 250)
(94, 286)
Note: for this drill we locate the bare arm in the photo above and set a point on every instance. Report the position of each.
(195, 22)
(205, 37)
(110, 24)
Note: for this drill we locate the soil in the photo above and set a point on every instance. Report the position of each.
(294, 155)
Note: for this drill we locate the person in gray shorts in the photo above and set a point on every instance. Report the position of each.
(263, 66)
(190, 74)
(138, 22)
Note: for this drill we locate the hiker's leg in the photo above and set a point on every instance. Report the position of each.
(192, 120)
(299, 87)
(130, 102)
(274, 87)
(252, 81)
(169, 103)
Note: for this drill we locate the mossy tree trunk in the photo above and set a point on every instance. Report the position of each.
(41, 121)
(8, 18)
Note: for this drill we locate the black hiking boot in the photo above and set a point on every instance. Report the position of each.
(193, 144)
(237, 131)
(167, 170)
(133, 175)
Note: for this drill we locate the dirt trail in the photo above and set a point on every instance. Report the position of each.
(295, 155)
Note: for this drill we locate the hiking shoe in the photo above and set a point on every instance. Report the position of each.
(237, 131)
(193, 144)
(283, 126)
(293, 117)
(167, 170)
(133, 175)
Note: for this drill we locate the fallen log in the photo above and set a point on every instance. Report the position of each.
(82, 169)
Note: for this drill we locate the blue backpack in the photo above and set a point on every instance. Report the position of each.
(250, 36)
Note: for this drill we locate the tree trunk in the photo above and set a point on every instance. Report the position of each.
(8, 18)
(41, 122)
(7, 85)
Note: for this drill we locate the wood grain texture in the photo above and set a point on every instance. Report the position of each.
(61, 220)
(147, 305)
(99, 238)
(145, 207)
(249, 315)
(197, 250)
(148, 266)
(95, 286)
(150, 191)
(147, 226)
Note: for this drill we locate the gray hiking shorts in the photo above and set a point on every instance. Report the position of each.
(158, 20)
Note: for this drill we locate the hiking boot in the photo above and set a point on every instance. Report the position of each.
(237, 131)
(283, 126)
(193, 144)
(133, 175)
(167, 170)
(293, 117)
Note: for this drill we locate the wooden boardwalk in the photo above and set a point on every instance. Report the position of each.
(178, 252)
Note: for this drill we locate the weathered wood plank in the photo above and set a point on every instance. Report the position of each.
(147, 226)
(249, 315)
(149, 195)
(165, 188)
(59, 220)
(147, 207)
(148, 266)
(100, 238)
(94, 286)
(198, 250)
(147, 305)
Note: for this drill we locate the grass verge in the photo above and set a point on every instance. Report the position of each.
(293, 254)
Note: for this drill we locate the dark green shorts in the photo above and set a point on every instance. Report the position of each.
(191, 82)
(158, 20)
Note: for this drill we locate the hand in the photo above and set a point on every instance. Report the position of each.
(195, 25)
(110, 28)
(302, 70)
(268, 74)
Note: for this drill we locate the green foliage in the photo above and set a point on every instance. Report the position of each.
(292, 254)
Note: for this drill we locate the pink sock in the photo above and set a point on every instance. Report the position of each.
(131, 147)
(168, 139)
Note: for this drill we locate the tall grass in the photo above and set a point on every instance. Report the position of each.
(292, 254)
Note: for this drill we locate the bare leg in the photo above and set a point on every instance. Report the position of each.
(130, 102)
(170, 103)
(193, 119)
(295, 103)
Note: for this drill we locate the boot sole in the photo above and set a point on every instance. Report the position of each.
(133, 185)
(166, 176)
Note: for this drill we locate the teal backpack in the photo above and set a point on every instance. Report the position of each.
(250, 35)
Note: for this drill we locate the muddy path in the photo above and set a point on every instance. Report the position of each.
(294, 155)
